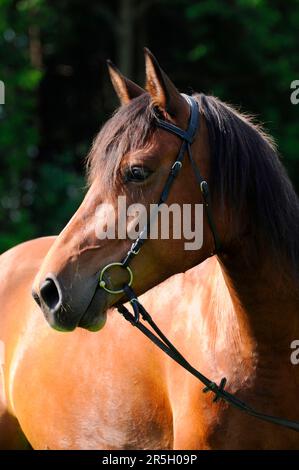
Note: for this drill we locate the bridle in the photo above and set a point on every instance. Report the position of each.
(160, 339)
(187, 137)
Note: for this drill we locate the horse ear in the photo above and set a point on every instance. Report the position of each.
(161, 89)
(125, 89)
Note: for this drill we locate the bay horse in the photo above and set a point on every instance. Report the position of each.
(242, 310)
(110, 389)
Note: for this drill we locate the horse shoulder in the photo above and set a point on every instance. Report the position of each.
(17, 267)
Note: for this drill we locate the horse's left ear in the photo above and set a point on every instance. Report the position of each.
(161, 89)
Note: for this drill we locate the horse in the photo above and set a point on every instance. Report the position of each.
(94, 426)
(242, 313)
(108, 398)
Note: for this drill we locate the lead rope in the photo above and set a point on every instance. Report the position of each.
(163, 343)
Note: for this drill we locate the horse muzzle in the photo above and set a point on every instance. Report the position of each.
(64, 313)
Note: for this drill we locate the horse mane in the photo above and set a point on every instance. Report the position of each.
(248, 176)
(246, 173)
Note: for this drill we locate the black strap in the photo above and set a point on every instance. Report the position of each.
(165, 345)
(193, 125)
(204, 187)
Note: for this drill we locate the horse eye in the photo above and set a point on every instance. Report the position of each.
(137, 173)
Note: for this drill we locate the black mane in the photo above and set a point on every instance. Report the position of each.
(247, 175)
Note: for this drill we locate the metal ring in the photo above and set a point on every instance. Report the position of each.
(102, 283)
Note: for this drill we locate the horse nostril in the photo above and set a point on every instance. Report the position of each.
(51, 294)
(36, 297)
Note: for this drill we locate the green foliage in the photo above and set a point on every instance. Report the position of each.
(18, 132)
(52, 61)
(255, 53)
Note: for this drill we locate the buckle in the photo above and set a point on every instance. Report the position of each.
(132, 250)
(176, 167)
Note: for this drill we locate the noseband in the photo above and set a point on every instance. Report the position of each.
(160, 339)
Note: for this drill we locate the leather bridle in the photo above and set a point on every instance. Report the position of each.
(159, 339)
(187, 137)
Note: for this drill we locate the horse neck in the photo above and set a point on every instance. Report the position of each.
(266, 301)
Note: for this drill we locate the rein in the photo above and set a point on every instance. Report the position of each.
(159, 339)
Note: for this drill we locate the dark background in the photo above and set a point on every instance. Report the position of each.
(52, 61)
